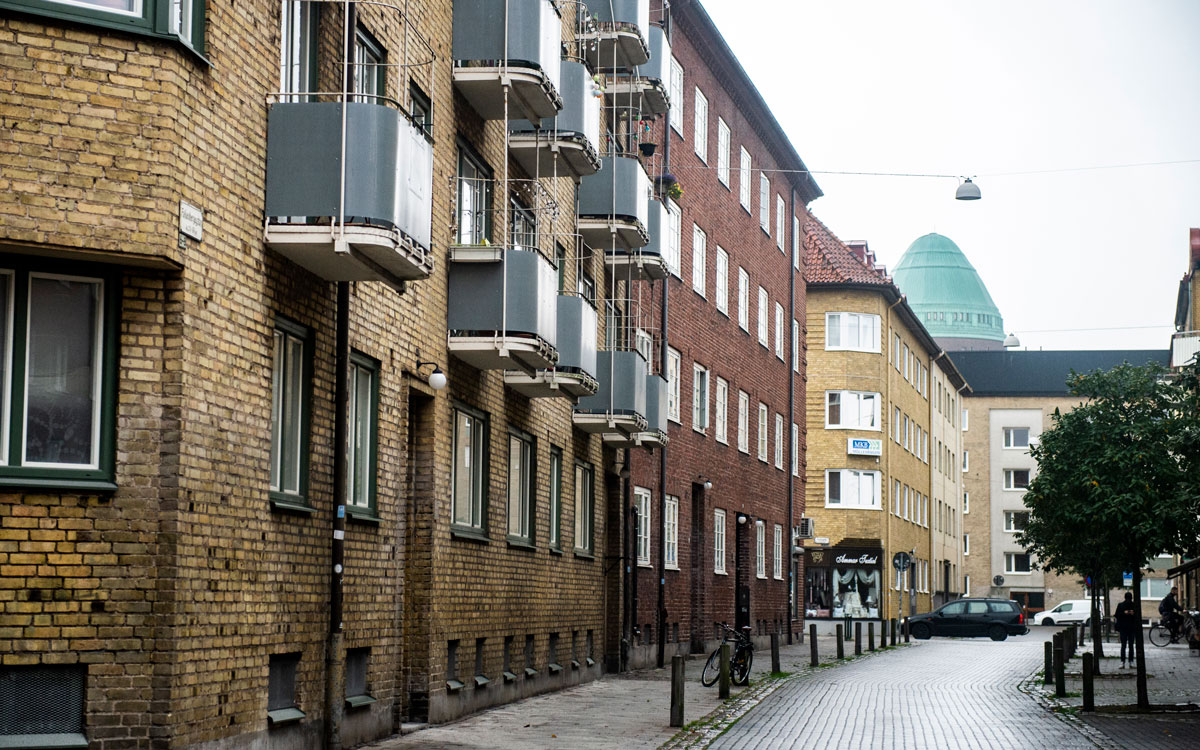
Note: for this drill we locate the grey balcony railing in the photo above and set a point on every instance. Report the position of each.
(576, 341)
(656, 403)
(580, 115)
(623, 28)
(515, 297)
(622, 390)
(658, 67)
(619, 192)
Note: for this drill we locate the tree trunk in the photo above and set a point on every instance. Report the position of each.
(1143, 698)
(1097, 645)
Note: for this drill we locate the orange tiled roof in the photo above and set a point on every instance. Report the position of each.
(829, 261)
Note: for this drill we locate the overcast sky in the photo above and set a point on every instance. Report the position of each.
(985, 89)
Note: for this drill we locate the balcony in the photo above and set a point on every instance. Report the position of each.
(382, 230)
(619, 39)
(566, 145)
(644, 263)
(614, 205)
(528, 67)
(656, 411)
(1185, 345)
(503, 313)
(619, 404)
(645, 91)
(574, 376)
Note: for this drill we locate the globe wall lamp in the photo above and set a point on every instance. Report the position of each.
(742, 517)
(437, 379)
(705, 481)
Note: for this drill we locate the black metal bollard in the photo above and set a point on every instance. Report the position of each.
(858, 639)
(1060, 677)
(883, 633)
(907, 629)
(723, 684)
(775, 654)
(870, 636)
(895, 629)
(1089, 695)
(1049, 675)
(841, 644)
(812, 639)
(677, 690)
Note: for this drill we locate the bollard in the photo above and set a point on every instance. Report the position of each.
(1089, 696)
(775, 669)
(677, 690)
(812, 638)
(1072, 643)
(870, 636)
(841, 644)
(858, 639)
(723, 683)
(1048, 677)
(883, 634)
(1060, 677)
(895, 629)
(906, 629)
(846, 622)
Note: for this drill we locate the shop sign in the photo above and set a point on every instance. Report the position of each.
(864, 446)
(863, 559)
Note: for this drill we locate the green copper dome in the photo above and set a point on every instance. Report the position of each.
(945, 291)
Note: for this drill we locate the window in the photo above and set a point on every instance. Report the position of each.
(289, 412)
(672, 384)
(762, 432)
(780, 222)
(719, 541)
(699, 398)
(674, 238)
(899, 426)
(524, 226)
(1016, 562)
(763, 322)
(778, 552)
(907, 363)
(966, 503)
(699, 259)
(743, 422)
(744, 180)
(468, 473)
(743, 299)
(676, 94)
(520, 488)
(671, 532)
(420, 107)
(1015, 479)
(907, 433)
(44, 706)
(722, 408)
(907, 503)
(795, 346)
(357, 662)
(764, 202)
(852, 409)
(282, 706)
(584, 507)
(779, 441)
(852, 332)
(364, 407)
(722, 152)
(298, 33)
(966, 464)
(965, 416)
(700, 126)
(1016, 437)
(760, 549)
(966, 544)
(58, 355)
(369, 68)
(722, 281)
(181, 20)
(779, 331)
(586, 287)
(555, 498)
(1016, 520)
(474, 199)
(1155, 588)
(795, 449)
(897, 496)
(641, 499)
(850, 488)
(796, 242)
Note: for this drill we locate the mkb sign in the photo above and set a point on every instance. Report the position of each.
(864, 447)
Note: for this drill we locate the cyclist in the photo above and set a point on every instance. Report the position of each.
(1168, 608)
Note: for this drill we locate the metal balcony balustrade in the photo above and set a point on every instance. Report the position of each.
(614, 204)
(1185, 346)
(619, 404)
(644, 263)
(568, 144)
(646, 87)
(574, 376)
(616, 37)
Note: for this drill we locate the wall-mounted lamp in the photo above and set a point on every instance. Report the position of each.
(742, 518)
(967, 191)
(705, 481)
(437, 378)
(625, 473)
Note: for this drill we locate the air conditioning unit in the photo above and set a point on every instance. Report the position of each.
(806, 530)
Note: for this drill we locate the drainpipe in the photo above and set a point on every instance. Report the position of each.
(662, 449)
(793, 435)
(335, 666)
(887, 522)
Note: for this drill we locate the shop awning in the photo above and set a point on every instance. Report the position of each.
(1187, 567)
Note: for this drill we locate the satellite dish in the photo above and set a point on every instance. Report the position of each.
(998, 581)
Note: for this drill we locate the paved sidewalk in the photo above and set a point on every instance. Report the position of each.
(626, 710)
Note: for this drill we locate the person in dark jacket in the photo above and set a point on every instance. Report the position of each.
(1128, 622)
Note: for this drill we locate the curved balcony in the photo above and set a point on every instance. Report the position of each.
(619, 404)
(524, 59)
(656, 411)
(647, 90)
(574, 376)
(568, 144)
(503, 314)
(614, 205)
(619, 40)
(644, 263)
(388, 173)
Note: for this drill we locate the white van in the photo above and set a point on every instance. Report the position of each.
(1072, 610)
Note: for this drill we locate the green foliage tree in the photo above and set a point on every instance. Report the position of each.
(1118, 479)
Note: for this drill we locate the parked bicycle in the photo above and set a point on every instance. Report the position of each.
(739, 661)
(1161, 635)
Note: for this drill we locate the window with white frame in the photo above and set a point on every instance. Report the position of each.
(719, 541)
(795, 345)
(764, 202)
(743, 422)
(1016, 520)
(298, 39)
(556, 485)
(907, 433)
(671, 532)
(779, 441)
(1017, 563)
(897, 497)
(851, 488)
(699, 259)
(795, 449)
(672, 385)
(641, 500)
(743, 299)
(896, 352)
(780, 222)
(896, 420)
(700, 126)
(585, 507)
(364, 407)
(722, 152)
(965, 419)
(796, 242)
(699, 397)
(779, 331)
(857, 410)
(763, 438)
(849, 331)
(721, 421)
(778, 552)
(722, 281)
(908, 493)
(966, 503)
(966, 544)
(468, 472)
(1015, 479)
(676, 94)
(763, 320)
(760, 549)
(520, 488)
(1016, 437)
(671, 256)
(744, 177)
(966, 464)
(907, 363)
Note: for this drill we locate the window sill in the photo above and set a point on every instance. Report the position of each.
(555, 551)
(291, 505)
(509, 676)
(554, 668)
(469, 535)
(530, 673)
(359, 701)
(453, 686)
(720, 573)
(57, 741)
(481, 681)
(282, 716)
(51, 483)
(672, 567)
(852, 427)
(841, 506)
(520, 542)
(363, 515)
(584, 554)
(760, 577)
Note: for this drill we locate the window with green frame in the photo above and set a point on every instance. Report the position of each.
(181, 20)
(474, 198)
(364, 427)
(556, 498)
(585, 506)
(291, 376)
(370, 68)
(520, 488)
(468, 472)
(58, 372)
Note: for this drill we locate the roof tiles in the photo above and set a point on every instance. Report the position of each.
(829, 261)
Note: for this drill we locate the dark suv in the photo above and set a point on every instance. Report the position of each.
(995, 618)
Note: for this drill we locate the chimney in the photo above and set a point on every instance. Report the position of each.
(860, 250)
(1195, 247)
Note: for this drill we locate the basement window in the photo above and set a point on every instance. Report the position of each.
(282, 706)
(42, 706)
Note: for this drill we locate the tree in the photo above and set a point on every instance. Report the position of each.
(1118, 479)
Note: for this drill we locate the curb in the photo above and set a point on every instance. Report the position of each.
(1064, 712)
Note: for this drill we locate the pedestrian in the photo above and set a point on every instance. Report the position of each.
(1128, 622)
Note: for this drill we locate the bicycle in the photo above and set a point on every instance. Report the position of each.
(739, 661)
(1161, 635)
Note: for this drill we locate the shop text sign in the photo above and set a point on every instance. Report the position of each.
(863, 559)
(864, 447)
